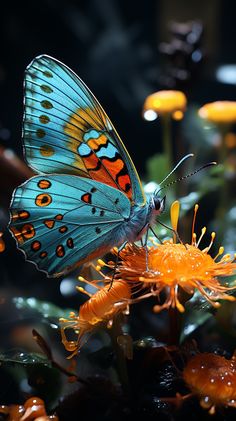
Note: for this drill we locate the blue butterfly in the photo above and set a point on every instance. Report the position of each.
(87, 196)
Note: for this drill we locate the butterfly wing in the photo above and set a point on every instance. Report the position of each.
(60, 221)
(66, 130)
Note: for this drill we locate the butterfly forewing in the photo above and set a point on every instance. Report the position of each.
(66, 130)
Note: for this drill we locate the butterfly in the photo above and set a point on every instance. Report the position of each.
(86, 196)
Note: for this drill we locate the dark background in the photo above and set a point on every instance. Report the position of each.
(113, 45)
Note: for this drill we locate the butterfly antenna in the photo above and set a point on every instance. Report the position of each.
(175, 168)
(209, 164)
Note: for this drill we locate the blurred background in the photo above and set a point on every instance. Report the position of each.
(124, 51)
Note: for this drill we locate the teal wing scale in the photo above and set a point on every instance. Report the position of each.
(59, 221)
(65, 130)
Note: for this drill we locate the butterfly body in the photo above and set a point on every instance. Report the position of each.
(87, 197)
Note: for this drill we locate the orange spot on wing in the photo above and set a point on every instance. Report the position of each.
(43, 199)
(24, 214)
(59, 217)
(28, 231)
(36, 245)
(44, 184)
(43, 254)
(46, 150)
(60, 251)
(91, 162)
(102, 176)
(86, 198)
(70, 243)
(49, 223)
(124, 180)
(124, 183)
(17, 234)
(20, 215)
(63, 229)
(96, 143)
(113, 167)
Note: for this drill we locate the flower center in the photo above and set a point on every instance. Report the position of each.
(178, 261)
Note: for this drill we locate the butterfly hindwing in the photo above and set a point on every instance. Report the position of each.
(60, 221)
(65, 130)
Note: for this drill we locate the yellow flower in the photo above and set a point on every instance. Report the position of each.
(219, 112)
(165, 103)
(101, 307)
(171, 267)
(212, 378)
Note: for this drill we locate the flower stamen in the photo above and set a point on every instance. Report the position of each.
(196, 207)
(220, 252)
(203, 232)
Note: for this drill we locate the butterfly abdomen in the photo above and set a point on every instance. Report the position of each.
(137, 223)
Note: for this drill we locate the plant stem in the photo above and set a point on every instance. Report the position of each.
(115, 332)
(174, 326)
(224, 193)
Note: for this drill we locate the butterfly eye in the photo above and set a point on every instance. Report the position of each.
(159, 204)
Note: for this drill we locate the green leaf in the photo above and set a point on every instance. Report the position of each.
(146, 342)
(17, 356)
(42, 309)
(42, 376)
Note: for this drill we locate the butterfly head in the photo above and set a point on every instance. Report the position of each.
(157, 204)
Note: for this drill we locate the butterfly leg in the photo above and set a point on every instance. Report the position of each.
(154, 233)
(116, 263)
(169, 228)
(144, 244)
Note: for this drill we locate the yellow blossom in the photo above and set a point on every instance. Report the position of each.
(167, 102)
(219, 112)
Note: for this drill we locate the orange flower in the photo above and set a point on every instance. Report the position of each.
(171, 267)
(213, 378)
(101, 308)
(164, 103)
(2, 243)
(219, 112)
(33, 409)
